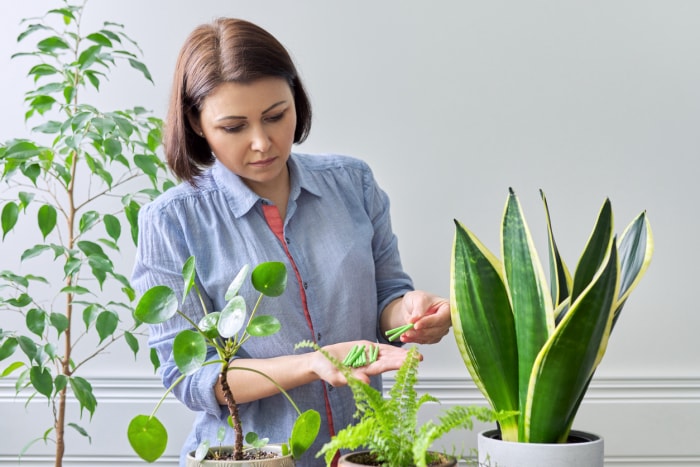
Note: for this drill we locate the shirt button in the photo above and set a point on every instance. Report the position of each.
(286, 239)
(306, 285)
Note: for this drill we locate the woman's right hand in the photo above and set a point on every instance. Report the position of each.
(390, 358)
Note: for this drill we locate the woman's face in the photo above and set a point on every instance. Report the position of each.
(250, 129)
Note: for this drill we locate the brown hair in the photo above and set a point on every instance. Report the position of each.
(226, 50)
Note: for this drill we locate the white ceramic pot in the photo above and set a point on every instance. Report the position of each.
(582, 450)
(279, 461)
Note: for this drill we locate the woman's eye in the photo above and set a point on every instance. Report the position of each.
(233, 129)
(275, 118)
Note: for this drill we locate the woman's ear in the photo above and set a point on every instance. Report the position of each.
(194, 123)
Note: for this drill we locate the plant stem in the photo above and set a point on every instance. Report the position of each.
(233, 411)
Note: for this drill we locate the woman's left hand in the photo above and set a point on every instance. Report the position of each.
(430, 315)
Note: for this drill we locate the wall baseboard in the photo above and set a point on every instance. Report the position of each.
(649, 422)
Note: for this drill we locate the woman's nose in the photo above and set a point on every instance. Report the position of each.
(260, 141)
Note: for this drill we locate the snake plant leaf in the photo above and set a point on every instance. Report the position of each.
(566, 363)
(528, 292)
(483, 324)
(270, 278)
(595, 250)
(636, 247)
(560, 281)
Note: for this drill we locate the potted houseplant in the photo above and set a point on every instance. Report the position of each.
(533, 351)
(68, 298)
(225, 331)
(388, 429)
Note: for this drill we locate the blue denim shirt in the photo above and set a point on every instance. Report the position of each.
(338, 234)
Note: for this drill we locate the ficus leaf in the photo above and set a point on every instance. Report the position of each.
(106, 324)
(46, 217)
(8, 218)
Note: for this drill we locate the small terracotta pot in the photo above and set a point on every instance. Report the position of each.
(279, 461)
(364, 458)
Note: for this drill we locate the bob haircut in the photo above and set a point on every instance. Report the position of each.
(225, 50)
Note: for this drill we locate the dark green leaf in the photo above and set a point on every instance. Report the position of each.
(10, 212)
(99, 39)
(51, 44)
(106, 324)
(36, 321)
(153, 355)
(59, 321)
(142, 68)
(189, 351)
(90, 315)
(42, 70)
(263, 325)
(8, 348)
(46, 217)
(80, 431)
(157, 305)
(89, 56)
(83, 392)
(36, 250)
(132, 342)
(270, 278)
(112, 147)
(42, 380)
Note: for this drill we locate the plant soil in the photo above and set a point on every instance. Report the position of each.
(365, 458)
(248, 455)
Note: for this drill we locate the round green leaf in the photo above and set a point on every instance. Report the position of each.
(232, 317)
(263, 325)
(237, 282)
(270, 278)
(157, 305)
(47, 219)
(148, 437)
(304, 432)
(189, 351)
(208, 324)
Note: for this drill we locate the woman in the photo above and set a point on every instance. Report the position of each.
(237, 106)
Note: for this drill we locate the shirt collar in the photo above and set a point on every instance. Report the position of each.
(241, 198)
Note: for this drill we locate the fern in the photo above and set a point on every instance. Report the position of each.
(388, 427)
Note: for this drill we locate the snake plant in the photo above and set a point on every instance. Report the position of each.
(532, 349)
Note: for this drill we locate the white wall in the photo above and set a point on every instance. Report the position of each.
(451, 103)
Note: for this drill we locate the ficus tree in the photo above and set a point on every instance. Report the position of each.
(76, 187)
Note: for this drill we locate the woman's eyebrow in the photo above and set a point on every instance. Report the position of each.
(237, 117)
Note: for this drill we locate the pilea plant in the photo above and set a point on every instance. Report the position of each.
(389, 427)
(76, 188)
(225, 331)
